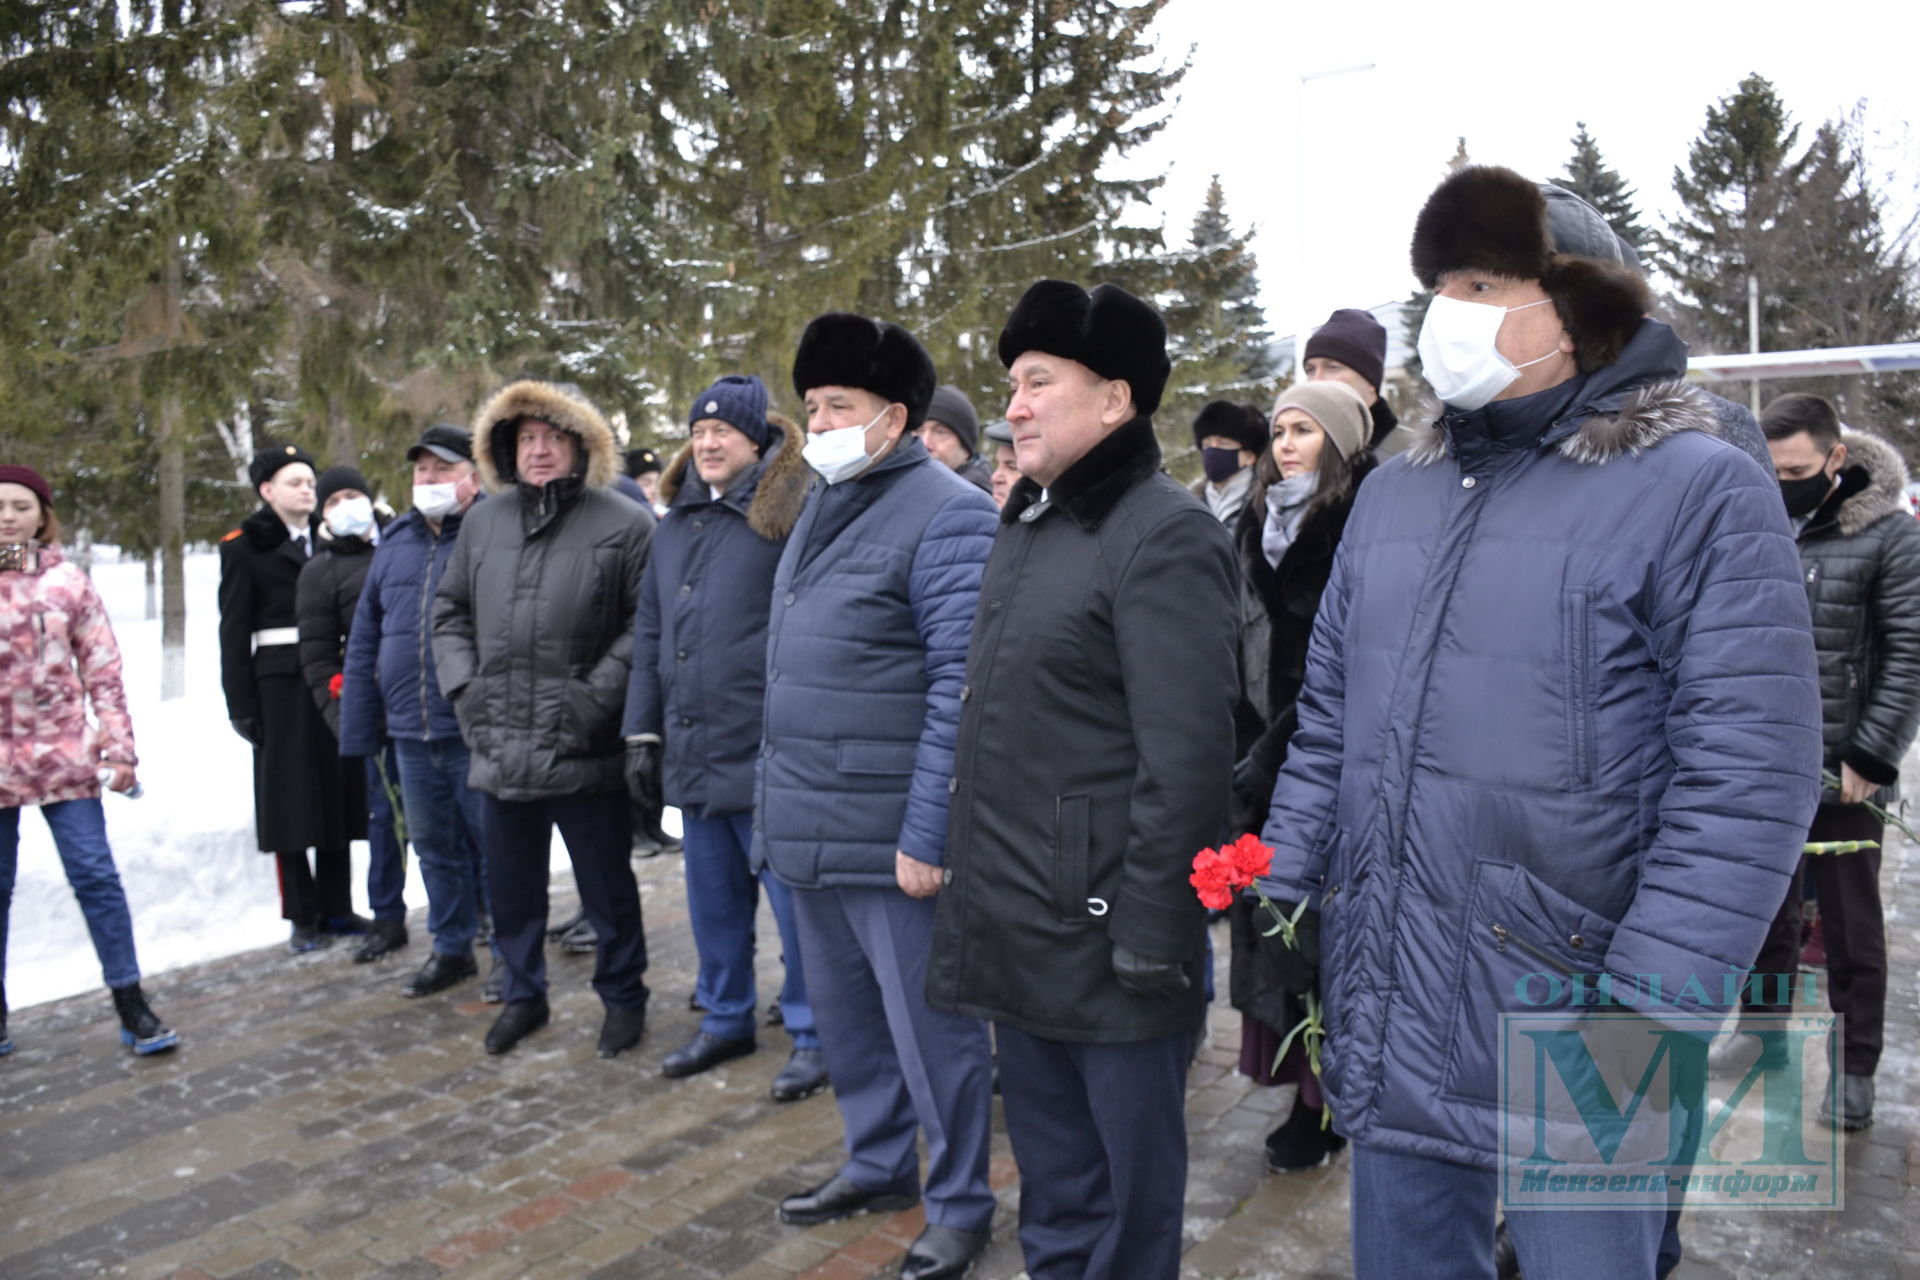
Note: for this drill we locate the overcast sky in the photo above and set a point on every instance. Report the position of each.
(1512, 78)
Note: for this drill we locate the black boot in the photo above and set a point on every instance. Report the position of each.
(386, 937)
(6, 1041)
(308, 937)
(518, 1020)
(580, 940)
(561, 930)
(140, 1030)
(1302, 1141)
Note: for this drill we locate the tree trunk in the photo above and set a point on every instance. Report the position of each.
(153, 584)
(173, 538)
(342, 451)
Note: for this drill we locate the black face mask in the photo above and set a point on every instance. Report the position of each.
(1221, 465)
(1804, 497)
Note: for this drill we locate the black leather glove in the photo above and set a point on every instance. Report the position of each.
(1295, 969)
(643, 774)
(249, 729)
(1144, 976)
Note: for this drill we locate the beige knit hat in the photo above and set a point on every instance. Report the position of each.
(1337, 407)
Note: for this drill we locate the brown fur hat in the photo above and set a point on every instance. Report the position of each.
(560, 405)
(1485, 218)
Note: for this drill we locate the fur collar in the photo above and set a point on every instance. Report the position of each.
(1093, 486)
(778, 492)
(1879, 490)
(1646, 415)
(562, 405)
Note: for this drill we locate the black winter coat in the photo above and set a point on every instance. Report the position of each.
(1277, 607)
(700, 654)
(533, 621)
(1095, 746)
(303, 797)
(328, 593)
(1861, 556)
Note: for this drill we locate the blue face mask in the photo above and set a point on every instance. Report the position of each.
(1221, 465)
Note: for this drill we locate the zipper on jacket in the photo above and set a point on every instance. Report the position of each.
(1503, 935)
(426, 599)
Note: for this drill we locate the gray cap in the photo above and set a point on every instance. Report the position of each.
(1000, 431)
(1576, 227)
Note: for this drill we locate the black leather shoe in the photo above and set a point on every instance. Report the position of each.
(307, 937)
(386, 937)
(347, 925)
(494, 989)
(702, 1053)
(941, 1252)
(581, 940)
(836, 1198)
(621, 1031)
(1302, 1141)
(1856, 1104)
(804, 1075)
(439, 973)
(518, 1020)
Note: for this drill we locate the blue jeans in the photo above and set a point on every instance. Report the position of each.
(723, 897)
(1416, 1216)
(79, 830)
(387, 853)
(443, 824)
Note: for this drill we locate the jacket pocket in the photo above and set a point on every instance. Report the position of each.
(1576, 626)
(892, 758)
(1522, 944)
(1071, 899)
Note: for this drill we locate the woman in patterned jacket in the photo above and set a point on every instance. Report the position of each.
(57, 656)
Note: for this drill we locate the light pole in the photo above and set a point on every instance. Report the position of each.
(1299, 300)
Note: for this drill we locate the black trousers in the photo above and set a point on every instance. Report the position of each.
(310, 894)
(516, 835)
(1848, 886)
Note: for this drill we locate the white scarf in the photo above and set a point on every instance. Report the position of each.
(1286, 507)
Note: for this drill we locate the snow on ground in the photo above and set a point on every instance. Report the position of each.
(197, 886)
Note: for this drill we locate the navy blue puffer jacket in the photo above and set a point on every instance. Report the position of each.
(873, 605)
(700, 634)
(389, 689)
(1560, 712)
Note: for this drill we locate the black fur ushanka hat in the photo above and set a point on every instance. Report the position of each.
(1108, 330)
(1485, 218)
(840, 349)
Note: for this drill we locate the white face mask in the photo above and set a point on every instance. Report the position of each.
(435, 500)
(1458, 355)
(842, 454)
(351, 517)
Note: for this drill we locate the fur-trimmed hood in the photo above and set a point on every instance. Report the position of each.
(775, 496)
(1646, 416)
(1873, 485)
(564, 406)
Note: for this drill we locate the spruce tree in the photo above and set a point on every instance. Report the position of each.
(1740, 175)
(1217, 332)
(1589, 177)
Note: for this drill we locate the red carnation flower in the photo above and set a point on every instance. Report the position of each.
(333, 685)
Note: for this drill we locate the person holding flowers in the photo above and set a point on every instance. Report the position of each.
(1559, 710)
(1304, 486)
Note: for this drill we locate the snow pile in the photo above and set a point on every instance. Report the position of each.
(197, 886)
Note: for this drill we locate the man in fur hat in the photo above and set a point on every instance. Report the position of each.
(532, 640)
(866, 650)
(1095, 748)
(694, 708)
(1559, 718)
(1229, 437)
(304, 797)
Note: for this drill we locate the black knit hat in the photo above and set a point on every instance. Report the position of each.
(1241, 423)
(951, 408)
(640, 462)
(266, 464)
(1356, 340)
(1108, 330)
(738, 400)
(333, 480)
(840, 349)
(1486, 218)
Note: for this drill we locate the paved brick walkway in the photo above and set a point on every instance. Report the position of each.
(318, 1124)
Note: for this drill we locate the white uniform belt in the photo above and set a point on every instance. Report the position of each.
(276, 635)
